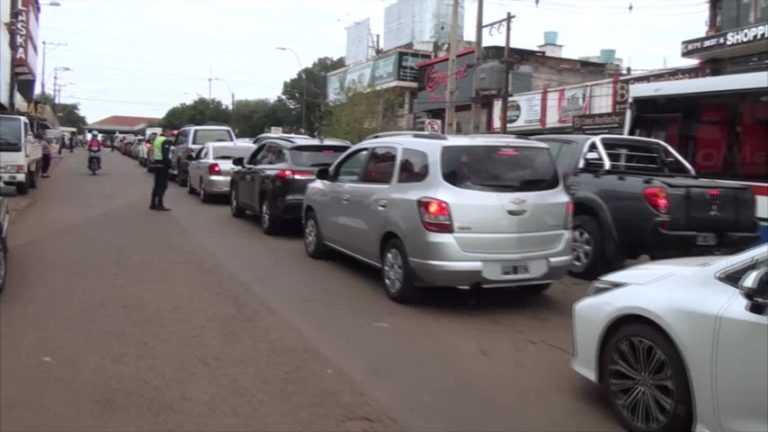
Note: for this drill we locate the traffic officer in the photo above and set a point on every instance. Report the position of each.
(161, 154)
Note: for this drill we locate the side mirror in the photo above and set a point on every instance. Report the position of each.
(238, 161)
(323, 174)
(7, 191)
(754, 288)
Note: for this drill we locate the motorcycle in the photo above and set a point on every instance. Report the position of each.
(94, 161)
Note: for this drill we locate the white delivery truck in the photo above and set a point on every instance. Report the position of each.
(21, 155)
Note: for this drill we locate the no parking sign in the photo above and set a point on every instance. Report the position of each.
(434, 126)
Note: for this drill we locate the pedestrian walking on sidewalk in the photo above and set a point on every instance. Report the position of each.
(161, 162)
(46, 153)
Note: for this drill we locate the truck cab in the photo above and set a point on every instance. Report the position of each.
(20, 154)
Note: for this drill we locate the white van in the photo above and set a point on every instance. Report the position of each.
(21, 154)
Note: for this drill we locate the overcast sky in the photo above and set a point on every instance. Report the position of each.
(141, 57)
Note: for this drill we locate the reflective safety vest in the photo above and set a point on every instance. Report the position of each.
(157, 147)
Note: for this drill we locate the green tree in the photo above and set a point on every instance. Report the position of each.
(363, 114)
(69, 116)
(200, 112)
(293, 91)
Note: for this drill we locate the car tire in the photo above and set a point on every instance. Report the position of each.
(3, 263)
(205, 197)
(618, 366)
(22, 188)
(269, 223)
(234, 204)
(588, 249)
(34, 175)
(537, 289)
(396, 273)
(190, 189)
(314, 244)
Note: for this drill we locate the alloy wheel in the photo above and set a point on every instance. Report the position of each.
(393, 270)
(265, 217)
(310, 234)
(582, 248)
(640, 382)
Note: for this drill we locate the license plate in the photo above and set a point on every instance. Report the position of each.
(706, 239)
(517, 269)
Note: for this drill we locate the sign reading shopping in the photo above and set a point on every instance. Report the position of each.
(756, 35)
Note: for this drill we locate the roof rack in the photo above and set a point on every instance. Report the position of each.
(498, 136)
(414, 134)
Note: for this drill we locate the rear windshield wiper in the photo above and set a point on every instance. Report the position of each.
(317, 165)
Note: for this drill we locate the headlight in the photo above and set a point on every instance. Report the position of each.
(600, 286)
(12, 168)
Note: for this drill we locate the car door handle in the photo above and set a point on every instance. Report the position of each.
(382, 204)
(516, 212)
(345, 199)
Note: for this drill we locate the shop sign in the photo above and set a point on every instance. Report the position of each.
(733, 38)
(358, 78)
(599, 123)
(622, 85)
(572, 102)
(433, 84)
(407, 62)
(524, 112)
(24, 43)
(384, 69)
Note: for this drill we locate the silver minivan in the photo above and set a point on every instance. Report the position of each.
(436, 210)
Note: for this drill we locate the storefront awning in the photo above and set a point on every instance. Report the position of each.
(734, 43)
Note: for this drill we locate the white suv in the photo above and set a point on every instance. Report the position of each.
(189, 140)
(462, 211)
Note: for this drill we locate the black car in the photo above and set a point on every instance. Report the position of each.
(272, 180)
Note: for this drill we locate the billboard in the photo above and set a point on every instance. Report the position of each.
(336, 86)
(433, 82)
(358, 42)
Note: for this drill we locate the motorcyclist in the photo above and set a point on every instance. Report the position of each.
(94, 149)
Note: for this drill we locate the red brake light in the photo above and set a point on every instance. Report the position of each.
(286, 174)
(657, 198)
(713, 193)
(569, 210)
(507, 152)
(435, 215)
(214, 169)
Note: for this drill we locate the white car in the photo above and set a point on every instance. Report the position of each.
(210, 168)
(680, 344)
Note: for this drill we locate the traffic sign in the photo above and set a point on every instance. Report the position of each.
(434, 126)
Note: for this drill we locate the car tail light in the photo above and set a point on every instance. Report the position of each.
(435, 215)
(286, 174)
(657, 198)
(214, 169)
(713, 193)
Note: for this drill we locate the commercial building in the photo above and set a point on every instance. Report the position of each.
(18, 53)
(125, 125)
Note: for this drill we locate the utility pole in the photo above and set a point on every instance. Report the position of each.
(505, 95)
(476, 102)
(45, 51)
(450, 104)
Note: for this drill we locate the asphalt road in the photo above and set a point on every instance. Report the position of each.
(117, 318)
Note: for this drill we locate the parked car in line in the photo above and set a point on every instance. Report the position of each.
(188, 141)
(211, 167)
(272, 181)
(636, 196)
(680, 344)
(435, 210)
(245, 140)
(5, 216)
(21, 154)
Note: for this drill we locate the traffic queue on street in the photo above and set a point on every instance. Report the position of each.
(479, 212)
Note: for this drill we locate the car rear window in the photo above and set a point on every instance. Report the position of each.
(10, 134)
(203, 136)
(316, 155)
(499, 168)
(231, 152)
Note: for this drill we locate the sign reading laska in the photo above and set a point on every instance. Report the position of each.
(734, 38)
(25, 39)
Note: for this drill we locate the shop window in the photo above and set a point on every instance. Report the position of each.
(753, 149)
(711, 139)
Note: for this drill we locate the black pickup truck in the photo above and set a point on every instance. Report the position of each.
(636, 196)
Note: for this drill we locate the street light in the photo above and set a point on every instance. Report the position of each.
(304, 91)
(231, 93)
(56, 71)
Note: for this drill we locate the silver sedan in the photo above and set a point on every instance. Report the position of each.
(210, 168)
